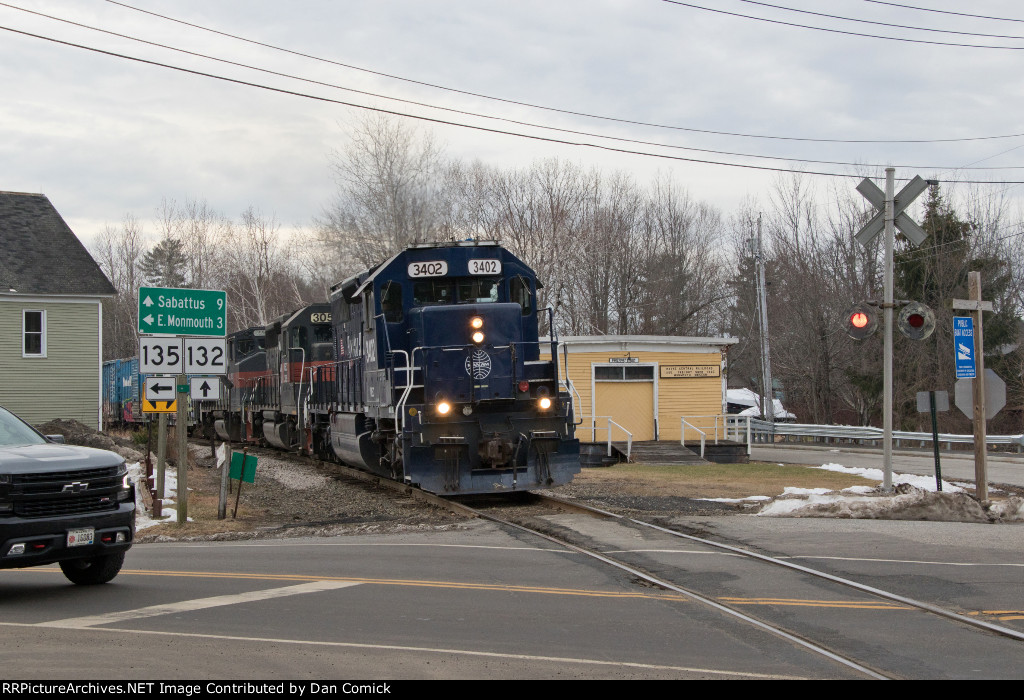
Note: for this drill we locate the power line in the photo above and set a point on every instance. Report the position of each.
(557, 110)
(574, 132)
(842, 31)
(881, 24)
(434, 120)
(943, 12)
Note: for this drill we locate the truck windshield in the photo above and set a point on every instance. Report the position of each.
(15, 432)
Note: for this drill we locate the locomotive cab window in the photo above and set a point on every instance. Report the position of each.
(322, 340)
(519, 292)
(391, 302)
(433, 291)
(478, 290)
(298, 339)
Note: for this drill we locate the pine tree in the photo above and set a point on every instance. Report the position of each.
(165, 264)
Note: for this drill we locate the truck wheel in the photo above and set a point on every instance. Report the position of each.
(87, 572)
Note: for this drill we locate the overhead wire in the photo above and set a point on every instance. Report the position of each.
(530, 105)
(878, 23)
(508, 120)
(435, 120)
(942, 12)
(842, 31)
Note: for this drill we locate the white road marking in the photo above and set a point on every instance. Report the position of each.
(436, 650)
(196, 604)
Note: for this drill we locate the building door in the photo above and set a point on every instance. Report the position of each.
(625, 393)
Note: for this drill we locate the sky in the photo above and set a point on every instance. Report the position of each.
(104, 136)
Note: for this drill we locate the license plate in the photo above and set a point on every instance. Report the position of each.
(79, 538)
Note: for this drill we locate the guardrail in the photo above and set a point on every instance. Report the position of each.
(763, 431)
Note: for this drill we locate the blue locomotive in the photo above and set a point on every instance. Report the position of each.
(438, 378)
(427, 369)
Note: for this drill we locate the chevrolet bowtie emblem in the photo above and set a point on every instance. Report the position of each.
(75, 486)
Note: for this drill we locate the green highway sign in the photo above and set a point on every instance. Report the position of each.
(200, 312)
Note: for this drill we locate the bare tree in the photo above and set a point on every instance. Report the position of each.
(258, 274)
(119, 253)
(387, 178)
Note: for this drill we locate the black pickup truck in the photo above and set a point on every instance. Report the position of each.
(61, 503)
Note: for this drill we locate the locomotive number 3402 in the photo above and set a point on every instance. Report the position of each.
(433, 268)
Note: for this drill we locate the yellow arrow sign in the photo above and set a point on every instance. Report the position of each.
(158, 406)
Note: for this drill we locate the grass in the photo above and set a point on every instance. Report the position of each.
(717, 480)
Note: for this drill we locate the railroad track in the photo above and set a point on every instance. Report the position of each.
(845, 598)
(873, 632)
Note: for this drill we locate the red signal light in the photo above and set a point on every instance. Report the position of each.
(861, 321)
(915, 320)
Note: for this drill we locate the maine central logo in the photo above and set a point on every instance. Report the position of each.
(478, 365)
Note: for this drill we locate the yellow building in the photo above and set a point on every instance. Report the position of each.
(644, 385)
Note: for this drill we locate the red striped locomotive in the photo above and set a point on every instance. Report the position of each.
(426, 369)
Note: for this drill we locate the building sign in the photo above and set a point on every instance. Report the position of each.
(690, 371)
(624, 360)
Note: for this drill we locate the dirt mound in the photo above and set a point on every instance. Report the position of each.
(77, 433)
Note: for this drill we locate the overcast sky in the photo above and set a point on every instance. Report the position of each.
(102, 136)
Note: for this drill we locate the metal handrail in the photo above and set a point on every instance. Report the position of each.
(703, 435)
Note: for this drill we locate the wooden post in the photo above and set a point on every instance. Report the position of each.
(980, 452)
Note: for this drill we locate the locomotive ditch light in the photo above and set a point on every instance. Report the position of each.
(544, 403)
(916, 321)
(444, 408)
(861, 321)
(478, 337)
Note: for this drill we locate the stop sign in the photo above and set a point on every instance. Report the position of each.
(995, 395)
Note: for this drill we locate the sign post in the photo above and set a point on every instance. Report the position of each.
(182, 314)
(976, 306)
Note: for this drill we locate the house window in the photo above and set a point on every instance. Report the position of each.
(33, 325)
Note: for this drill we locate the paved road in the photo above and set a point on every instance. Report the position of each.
(479, 602)
(1003, 468)
(472, 603)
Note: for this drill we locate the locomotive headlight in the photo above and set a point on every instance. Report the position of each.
(544, 403)
(444, 408)
(476, 323)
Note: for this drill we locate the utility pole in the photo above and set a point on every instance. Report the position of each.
(767, 398)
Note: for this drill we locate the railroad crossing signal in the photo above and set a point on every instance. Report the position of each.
(904, 223)
(861, 321)
(916, 321)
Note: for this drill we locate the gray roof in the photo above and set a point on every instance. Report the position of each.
(39, 254)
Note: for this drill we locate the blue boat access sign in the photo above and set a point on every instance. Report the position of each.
(963, 340)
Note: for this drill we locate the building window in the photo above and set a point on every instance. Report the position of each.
(627, 373)
(33, 333)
